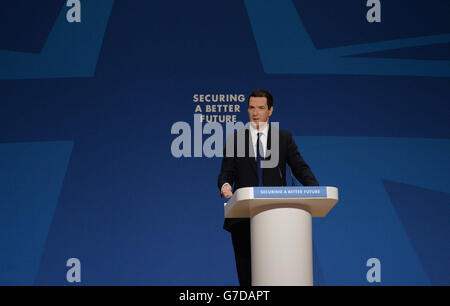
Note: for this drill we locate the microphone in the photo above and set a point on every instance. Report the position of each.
(292, 177)
(281, 175)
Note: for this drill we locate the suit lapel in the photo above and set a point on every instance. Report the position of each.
(269, 144)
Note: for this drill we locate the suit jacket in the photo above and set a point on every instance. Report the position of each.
(242, 172)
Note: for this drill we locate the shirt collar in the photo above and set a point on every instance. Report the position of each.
(264, 131)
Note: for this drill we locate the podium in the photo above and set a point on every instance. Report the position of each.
(281, 230)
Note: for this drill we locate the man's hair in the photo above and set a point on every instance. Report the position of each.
(259, 93)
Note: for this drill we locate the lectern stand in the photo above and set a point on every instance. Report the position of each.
(281, 230)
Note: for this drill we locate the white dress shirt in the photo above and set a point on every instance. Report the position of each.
(263, 137)
(264, 129)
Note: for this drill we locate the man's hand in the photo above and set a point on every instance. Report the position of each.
(226, 191)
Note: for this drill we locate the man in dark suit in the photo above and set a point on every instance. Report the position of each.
(246, 170)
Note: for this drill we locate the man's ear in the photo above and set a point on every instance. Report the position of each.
(270, 111)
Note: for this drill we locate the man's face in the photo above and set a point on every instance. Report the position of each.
(258, 111)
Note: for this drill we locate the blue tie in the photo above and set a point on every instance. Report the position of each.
(259, 158)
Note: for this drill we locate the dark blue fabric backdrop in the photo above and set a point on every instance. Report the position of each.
(86, 110)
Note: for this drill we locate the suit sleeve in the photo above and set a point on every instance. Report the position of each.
(299, 167)
(227, 171)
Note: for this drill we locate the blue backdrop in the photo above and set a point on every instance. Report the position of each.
(86, 110)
